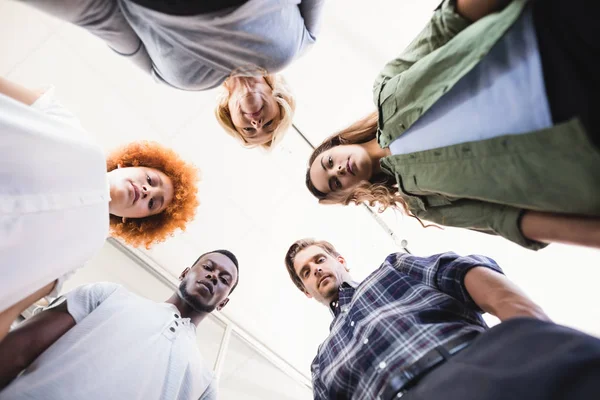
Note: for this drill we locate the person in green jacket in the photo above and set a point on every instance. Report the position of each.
(484, 122)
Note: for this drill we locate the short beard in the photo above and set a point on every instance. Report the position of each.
(192, 301)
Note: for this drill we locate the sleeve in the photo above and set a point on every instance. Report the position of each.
(211, 391)
(445, 272)
(495, 219)
(49, 105)
(312, 12)
(319, 389)
(443, 26)
(85, 299)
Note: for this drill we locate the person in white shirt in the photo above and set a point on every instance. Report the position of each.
(100, 341)
(58, 203)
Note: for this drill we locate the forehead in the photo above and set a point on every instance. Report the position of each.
(221, 261)
(305, 255)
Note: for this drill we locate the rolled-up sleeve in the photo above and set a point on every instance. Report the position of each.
(443, 26)
(444, 272)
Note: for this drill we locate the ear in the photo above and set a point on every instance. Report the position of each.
(342, 261)
(184, 273)
(119, 166)
(308, 294)
(222, 304)
(124, 219)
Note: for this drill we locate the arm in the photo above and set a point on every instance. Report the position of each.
(8, 316)
(497, 295)
(483, 217)
(312, 12)
(30, 339)
(473, 10)
(211, 392)
(18, 92)
(550, 228)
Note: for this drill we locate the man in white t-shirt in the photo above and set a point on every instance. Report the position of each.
(100, 341)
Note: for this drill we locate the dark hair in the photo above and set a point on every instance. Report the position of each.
(227, 254)
(296, 248)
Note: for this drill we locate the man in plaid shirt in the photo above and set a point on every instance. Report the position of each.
(413, 329)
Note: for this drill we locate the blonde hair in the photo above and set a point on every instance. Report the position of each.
(380, 190)
(283, 97)
(185, 176)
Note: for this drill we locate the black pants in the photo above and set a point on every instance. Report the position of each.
(568, 35)
(521, 359)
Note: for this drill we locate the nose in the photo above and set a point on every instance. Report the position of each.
(318, 272)
(148, 191)
(341, 170)
(256, 122)
(212, 278)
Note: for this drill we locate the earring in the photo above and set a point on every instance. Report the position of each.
(124, 219)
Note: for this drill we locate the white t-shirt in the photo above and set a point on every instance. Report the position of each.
(503, 95)
(123, 346)
(54, 196)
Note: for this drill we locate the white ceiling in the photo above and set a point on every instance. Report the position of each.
(255, 204)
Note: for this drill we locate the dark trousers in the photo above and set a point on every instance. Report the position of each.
(568, 35)
(521, 359)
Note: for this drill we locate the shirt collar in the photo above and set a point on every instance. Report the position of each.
(345, 293)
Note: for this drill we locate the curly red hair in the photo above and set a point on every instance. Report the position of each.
(185, 176)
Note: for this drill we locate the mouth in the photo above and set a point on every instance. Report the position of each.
(136, 193)
(208, 286)
(255, 114)
(349, 167)
(323, 279)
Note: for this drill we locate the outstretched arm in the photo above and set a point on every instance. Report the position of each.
(18, 92)
(12, 313)
(477, 9)
(560, 228)
(496, 294)
(30, 339)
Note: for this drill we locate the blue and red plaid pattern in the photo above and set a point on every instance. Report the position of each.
(405, 308)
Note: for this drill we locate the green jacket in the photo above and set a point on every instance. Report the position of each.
(483, 185)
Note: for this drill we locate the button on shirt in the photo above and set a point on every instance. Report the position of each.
(405, 308)
(123, 346)
(54, 196)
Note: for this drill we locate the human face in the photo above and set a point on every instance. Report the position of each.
(321, 273)
(138, 192)
(207, 284)
(341, 168)
(254, 111)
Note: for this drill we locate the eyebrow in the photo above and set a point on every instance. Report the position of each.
(162, 201)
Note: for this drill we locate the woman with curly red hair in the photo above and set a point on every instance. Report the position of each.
(60, 197)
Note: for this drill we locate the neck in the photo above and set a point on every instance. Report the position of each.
(186, 310)
(376, 153)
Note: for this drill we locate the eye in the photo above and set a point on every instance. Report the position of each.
(305, 273)
(248, 129)
(330, 162)
(269, 123)
(207, 267)
(337, 184)
(151, 204)
(225, 281)
(320, 260)
(149, 180)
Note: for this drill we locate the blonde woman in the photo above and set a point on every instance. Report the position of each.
(60, 196)
(198, 45)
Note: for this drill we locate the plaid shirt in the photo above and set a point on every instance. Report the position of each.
(405, 308)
